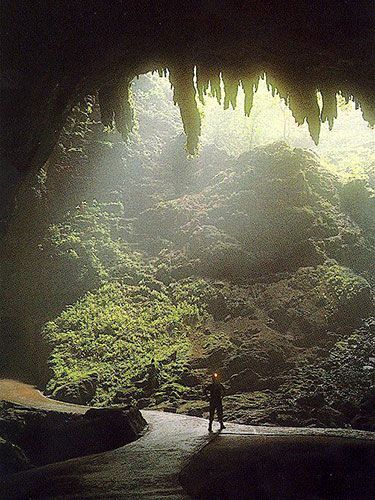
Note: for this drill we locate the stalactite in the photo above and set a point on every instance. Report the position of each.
(203, 83)
(208, 80)
(231, 83)
(162, 72)
(313, 115)
(299, 96)
(329, 109)
(296, 106)
(124, 115)
(249, 86)
(215, 86)
(362, 101)
(367, 107)
(116, 108)
(303, 103)
(277, 86)
(182, 81)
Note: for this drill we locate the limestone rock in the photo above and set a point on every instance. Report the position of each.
(80, 392)
(50, 436)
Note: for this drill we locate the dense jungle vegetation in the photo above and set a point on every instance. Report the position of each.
(254, 259)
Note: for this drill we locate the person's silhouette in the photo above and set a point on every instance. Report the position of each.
(215, 391)
(153, 374)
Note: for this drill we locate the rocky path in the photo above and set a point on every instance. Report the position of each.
(146, 468)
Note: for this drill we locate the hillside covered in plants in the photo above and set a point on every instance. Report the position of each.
(147, 270)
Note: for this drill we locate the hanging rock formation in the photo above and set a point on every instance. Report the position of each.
(54, 53)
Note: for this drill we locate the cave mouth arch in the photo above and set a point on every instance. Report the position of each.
(88, 48)
(302, 46)
(107, 213)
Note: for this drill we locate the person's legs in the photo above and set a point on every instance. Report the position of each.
(220, 415)
(212, 414)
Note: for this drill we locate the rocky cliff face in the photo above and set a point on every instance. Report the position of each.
(136, 272)
(55, 55)
(259, 269)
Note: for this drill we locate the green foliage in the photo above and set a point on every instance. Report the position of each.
(275, 209)
(341, 285)
(115, 333)
(89, 240)
(197, 291)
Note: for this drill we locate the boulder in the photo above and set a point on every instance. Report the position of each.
(12, 458)
(212, 359)
(50, 436)
(80, 392)
(98, 430)
(130, 418)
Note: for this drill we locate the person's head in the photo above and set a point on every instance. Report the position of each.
(215, 377)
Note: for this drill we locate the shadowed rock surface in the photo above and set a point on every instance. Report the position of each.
(12, 458)
(284, 467)
(31, 436)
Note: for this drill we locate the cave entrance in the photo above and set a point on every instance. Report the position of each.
(236, 256)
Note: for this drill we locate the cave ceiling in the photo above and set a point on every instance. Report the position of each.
(54, 52)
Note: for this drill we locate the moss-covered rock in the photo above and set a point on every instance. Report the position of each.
(79, 392)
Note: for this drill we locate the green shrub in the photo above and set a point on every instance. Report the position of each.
(115, 332)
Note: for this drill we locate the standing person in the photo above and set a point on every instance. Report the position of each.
(215, 392)
(153, 375)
